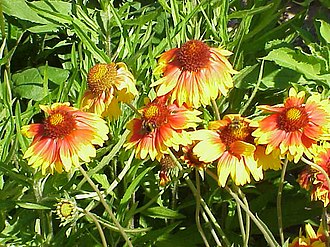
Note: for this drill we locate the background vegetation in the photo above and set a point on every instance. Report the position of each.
(46, 50)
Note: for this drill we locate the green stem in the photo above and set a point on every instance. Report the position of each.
(255, 90)
(98, 226)
(203, 203)
(106, 206)
(269, 238)
(198, 209)
(240, 218)
(214, 234)
(247, 218)
(279, 202)
(216, 109)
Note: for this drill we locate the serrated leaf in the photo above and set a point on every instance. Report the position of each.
(325, 30)
(30, 205)
(303, 63)
(162, 213)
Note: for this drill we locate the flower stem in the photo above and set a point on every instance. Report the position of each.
(106, 206)
(98, 226)
(198, 209)
(216, 109)
(267, 234)
(279, 202)
(202, 202)
(255, 90)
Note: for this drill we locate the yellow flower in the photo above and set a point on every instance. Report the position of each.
(294, 126)
(108, 84)
(65, 136)
(229, 141)
(194, 74)
(160, 127)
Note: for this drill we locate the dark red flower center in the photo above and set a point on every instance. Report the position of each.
(236, 130)
(59, 124)
(293, 119)
(154, 116)
(101, 77)
(193, 55)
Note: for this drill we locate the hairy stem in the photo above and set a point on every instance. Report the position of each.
(279, 202)
(98, 226)
(106, 206)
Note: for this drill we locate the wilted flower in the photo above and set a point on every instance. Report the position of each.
(194, 74)
(160, 127)
(108, 84)
(65, 136)
(294, 126)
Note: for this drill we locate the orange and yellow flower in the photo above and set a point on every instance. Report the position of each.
(190, 158)
(312, 239)
(65, 136)
(108, 84)
(194, 74)
(294, 126)
(160, 127)
(229, 141)
(315, 181)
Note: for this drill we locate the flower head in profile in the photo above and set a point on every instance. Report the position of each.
(294, 126)
(167, 164)
(194, 74)
(315, 181)
(108, 84)
(190, 158)
(66, 136)
(229, 141)
(160, 127)
(312, 238)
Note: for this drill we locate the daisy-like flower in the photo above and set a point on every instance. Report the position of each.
(108, 84)
(229, 141)
(294, 126)
(312, 239)
(314, 181)
(167, 164)
(65, 136)
(194, 74)
(160, 127)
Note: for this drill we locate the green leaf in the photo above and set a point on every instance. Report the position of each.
(56, 75)
(103, 180)
(30, 205)
(244, 13)
(162, 213)
(325, 30)
(20, 10)
(133, 186)
(29, 84)
(306, 64)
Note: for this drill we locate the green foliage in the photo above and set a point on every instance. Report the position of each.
(46, 51)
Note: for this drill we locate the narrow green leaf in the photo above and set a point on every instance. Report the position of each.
(132, 187)
(30, 205)
(162, 213)
(244, 13)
